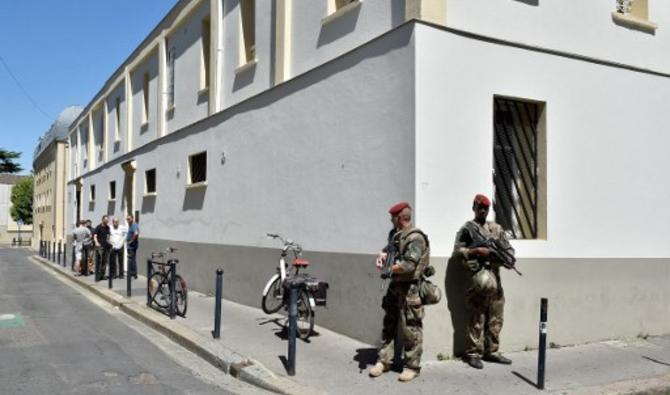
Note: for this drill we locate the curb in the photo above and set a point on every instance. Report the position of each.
(219, 356)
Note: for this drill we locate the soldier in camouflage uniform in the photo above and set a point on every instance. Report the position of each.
(484, 298)
(404, 311)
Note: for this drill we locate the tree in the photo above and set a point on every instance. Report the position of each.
(7, 161)
(22, 201)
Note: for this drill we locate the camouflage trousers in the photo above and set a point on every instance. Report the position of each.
(402, 321)
(482, 334)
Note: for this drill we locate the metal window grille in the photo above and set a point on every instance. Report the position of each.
(92, 195)
(112, 190)
(198, 167)
(150, 177)
(516, 166)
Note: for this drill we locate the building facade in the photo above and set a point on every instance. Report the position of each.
(309, 118)
(9, 229)
(50, 164)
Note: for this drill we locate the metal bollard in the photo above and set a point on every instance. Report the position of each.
(59, 252)
(13, 241)
(47, 252)
(110, 275)
(53, 253)
(173, 290)
(73, 255)
(97, 276)
(149, 273)
(542, 349)
(216, 333)
(292, 327)
(128, 284)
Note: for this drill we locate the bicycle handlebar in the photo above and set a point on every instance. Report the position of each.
(288, 243)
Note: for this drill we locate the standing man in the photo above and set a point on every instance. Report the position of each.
(102, 247)
(402, 305)
(87, 249)
(132, 239)
(117, 237)
(484, 298)
(80, 235)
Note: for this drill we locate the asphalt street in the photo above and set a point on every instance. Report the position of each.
(53, 340)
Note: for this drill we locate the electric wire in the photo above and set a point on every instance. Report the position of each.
(25, 92)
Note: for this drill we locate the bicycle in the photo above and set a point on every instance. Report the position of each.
(313, 294)
(159, 284)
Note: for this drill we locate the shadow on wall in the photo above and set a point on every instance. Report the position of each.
(194, 199)
(339, 27)
(244, 77)
(111, 208)
(91, 206)
(530, 2)
(456, 283)
(148, 204)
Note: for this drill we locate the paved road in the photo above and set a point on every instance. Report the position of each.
(53, 340)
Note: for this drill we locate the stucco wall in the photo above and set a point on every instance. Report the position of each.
(116, 148)
(141, 135)
(605, 145)
(576, 26)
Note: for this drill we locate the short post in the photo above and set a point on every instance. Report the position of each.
(13, 241)
(40, 249)
(65, 254)
(128, 284)
(292, 326)
(173, 290)
(74, 253)
(98, 276)
(216, 333)
(542, 349)
(149, 273)
(48, 256)
(53, 253)
(59, 252)
(110, 275)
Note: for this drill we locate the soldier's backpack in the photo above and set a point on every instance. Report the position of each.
(429, 292)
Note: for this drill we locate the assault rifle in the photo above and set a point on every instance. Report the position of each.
(500, 249)
(391, 256)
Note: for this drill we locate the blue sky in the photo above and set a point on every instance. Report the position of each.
(62, 52)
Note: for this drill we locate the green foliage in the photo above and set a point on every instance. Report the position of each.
(7, 161)
(22, 201)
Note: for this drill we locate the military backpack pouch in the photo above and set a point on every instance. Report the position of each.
(429, 293)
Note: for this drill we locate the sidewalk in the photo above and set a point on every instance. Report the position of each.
(335, 364)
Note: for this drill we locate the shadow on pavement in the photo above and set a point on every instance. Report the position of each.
(524, 378)
(656, 361)
(365, 357)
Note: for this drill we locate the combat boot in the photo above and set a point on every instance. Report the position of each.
(497, 358)
(474, 361)
(379, 369)
(408, 374)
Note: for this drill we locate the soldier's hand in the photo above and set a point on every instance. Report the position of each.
(381, 257)
(482, 252)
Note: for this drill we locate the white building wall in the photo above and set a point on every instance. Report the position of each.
(239, 84)
(5, 204)
(575, 26)
(314, 42)
(186, 42)
(605, 145)
(116, 148)
(142, 135)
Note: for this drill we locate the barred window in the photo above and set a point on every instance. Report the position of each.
(92, 193)
(519, 154)
(112, 190)
(197, 167)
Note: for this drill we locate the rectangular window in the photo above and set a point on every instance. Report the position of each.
(197, 168)
(204, 64)
(636, 8)
(92, 193)
(247, 31)
(117, 113)
(519, 159)
(170, 66)
(150, 181)
(145, 98)
(112, 190)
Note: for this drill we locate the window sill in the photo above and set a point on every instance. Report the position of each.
(201, 184)
(634, 22)
(342, 11)
(250, 64)
(202, 92)
(149, 194)
(144, 127)
(111, 200)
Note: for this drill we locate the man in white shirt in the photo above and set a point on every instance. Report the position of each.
(117, 237)
(81, 234)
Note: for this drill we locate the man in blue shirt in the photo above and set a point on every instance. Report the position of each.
(131, 244)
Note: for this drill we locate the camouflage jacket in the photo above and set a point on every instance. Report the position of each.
(414, 255)
(464, 241)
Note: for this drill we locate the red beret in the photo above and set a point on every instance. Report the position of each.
(397, 208)
(483, 200)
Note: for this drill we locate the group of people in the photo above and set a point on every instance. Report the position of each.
(105, 244)
(403, 305)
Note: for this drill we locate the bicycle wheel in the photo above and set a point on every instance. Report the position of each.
(181, 295)
(159, 290)
(305, 316)
(273, 299)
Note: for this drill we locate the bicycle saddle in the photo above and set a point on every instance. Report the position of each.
(300, 262)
